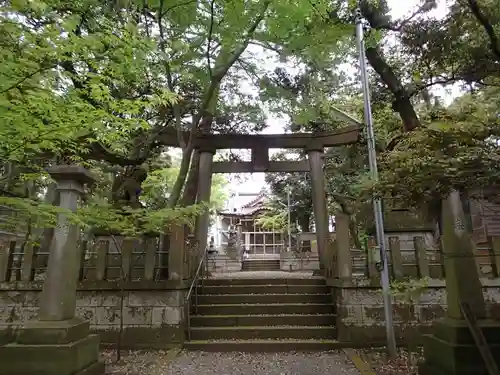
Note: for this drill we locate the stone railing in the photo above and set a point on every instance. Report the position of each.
(408, 257)
(104, 258)
(126, 287)
(413, 261)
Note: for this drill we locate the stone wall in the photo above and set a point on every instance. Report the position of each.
(360, 311)
(291, 261)
(221, 263)
(154, 313)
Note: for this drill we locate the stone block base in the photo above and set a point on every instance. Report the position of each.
(67, 349)
(6, 335)
(451, 350)
(144, 337)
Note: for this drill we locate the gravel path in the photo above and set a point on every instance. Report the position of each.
(199, 363)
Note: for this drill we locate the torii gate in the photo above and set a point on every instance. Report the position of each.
(312, 143)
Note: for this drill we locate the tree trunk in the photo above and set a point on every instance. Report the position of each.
(305, 222)
(401, 103)
(191, 188)
(181, 177)
(353, 230)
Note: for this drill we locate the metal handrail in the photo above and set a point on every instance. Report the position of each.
(194, 286)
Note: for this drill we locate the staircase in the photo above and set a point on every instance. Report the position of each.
(263, 315)
(261, 265)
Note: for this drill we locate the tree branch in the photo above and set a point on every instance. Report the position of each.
(170, 83)
(488, 27)
(402, 103)
(205, 113)
(209, 38)
(25, 78)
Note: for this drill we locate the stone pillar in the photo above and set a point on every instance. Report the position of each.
(58, 343)
(315, 156)
(177, 253)
(239, 240)
(459, 261)
(451, 350)
(58, 300)
(344, 260)
(204, 189)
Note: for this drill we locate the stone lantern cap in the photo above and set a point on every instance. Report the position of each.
(75, 173)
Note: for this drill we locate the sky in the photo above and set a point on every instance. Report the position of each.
(254, 183)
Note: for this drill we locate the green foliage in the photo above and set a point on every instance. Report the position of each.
(158, 186)
(459, 152)
(135, 222)
(298, 185)
(28, 215)
(273, 220)
(407, 291)
(57, 80)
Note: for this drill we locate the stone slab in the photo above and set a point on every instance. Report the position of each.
(97, 368)
(66, 359)
(144, 337)
(53, 332)
(455, 359)
(457, 332)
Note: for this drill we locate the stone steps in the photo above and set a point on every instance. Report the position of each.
(271, 289)
(262, 332)
(261, 265)
(259, 315)
(255, 346)
(218, 282)
(260, 308)
(227, 299)
(262, 320)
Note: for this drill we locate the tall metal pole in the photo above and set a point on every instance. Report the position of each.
(289, 220)
(377, 204)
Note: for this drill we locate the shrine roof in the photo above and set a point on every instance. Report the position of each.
(250, 208)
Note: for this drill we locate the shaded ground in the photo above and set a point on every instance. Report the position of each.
(201, 363)
(405, 364)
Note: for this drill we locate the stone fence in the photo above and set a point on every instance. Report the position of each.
(152, 312)
(360, 310)
(418, 267)
(409, 256)
(122, 283)
(104, 258)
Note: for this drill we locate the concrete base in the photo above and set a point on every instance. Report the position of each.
(451, 350)
(52, 348)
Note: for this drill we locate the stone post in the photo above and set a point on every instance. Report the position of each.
(315, 156)
(344, 261)
(462, 278)
(58, 300)
(58, 343)
(204, 189)
(177, 253)
(451, 349)
(239, 240)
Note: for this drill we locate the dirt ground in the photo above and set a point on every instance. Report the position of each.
(405, 364)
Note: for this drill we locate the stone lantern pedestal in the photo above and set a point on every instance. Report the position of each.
(58, 343)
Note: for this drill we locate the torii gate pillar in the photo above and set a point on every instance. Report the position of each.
(204, 189)
(316, 161)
